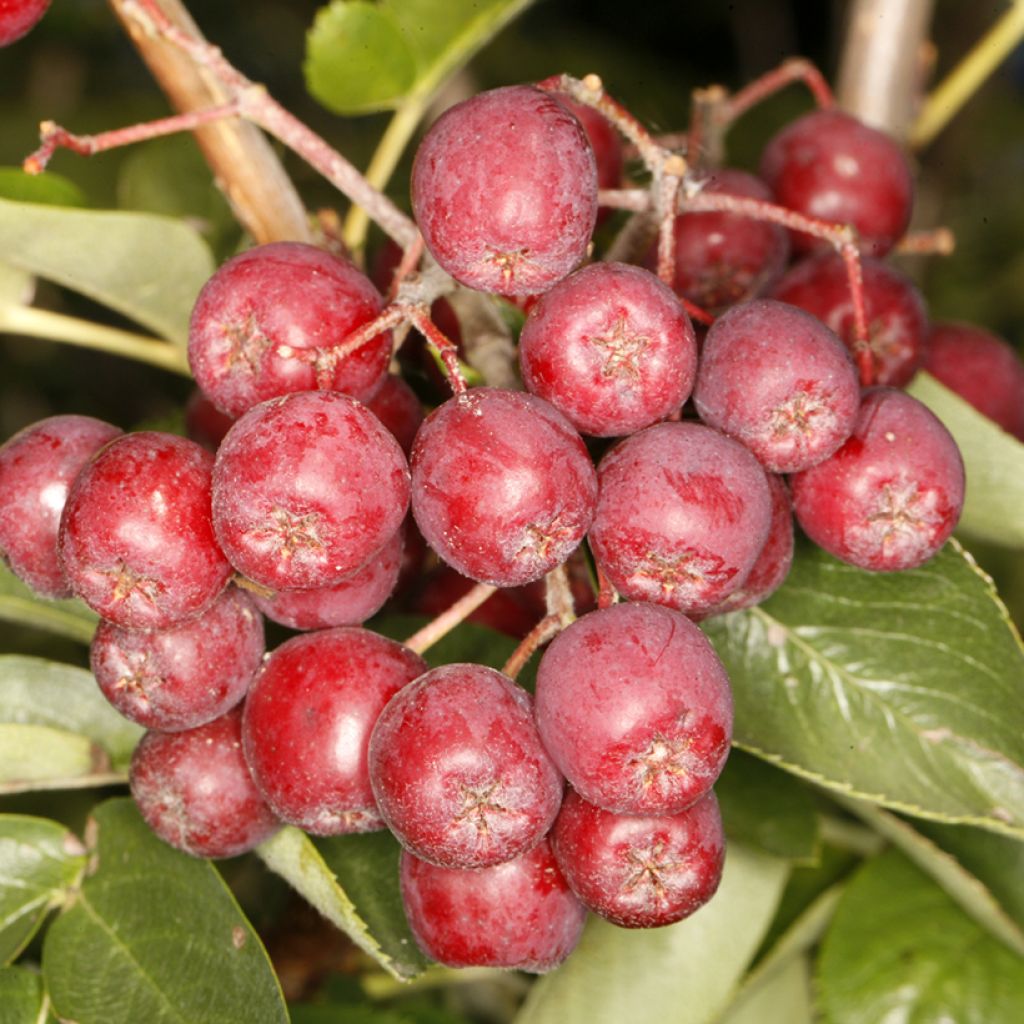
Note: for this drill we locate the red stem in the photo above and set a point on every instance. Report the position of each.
(795, 70)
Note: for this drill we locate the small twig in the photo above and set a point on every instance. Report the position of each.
(933, 242)
(558, 596)
(441, 344)
(797, 69)
(450, 618)
(705, 145)
(545, 630)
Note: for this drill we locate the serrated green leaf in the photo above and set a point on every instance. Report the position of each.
(994, 462)
(51, 189)
(685, 973)
(18, 603)
(39, 862)
(22, 1000)
(353, 882)
(905, 689)
(147, 267)
(362, 57)
(900, 949)
(785, 998)
(46, 701)
(767, 808)
(155, 936)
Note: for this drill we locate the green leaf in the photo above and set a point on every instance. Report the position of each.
(155, 936)
(147, 267)
(362, 57)
(768, 809)
(993, 459)
(353, 882)
(18, 603)
(900, 949)
(785, 998)
(685, 973)
(40, 861)
(22, 1000)
(51, 189)
(905, 689)
(59, 707)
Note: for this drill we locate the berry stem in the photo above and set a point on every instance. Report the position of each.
(705, 142)
(798, 69)
(442, 345)
(547, 629)
(426, 637)
(932, 242)
(558, 596)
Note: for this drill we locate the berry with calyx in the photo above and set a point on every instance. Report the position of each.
(37, 467)
(890, 497)
(611, 348)
(520, 914)
(19, 17)
(136, 538)
(830, 166)
(515, 214)
(459, 771)
(264, 325)
(634, 707)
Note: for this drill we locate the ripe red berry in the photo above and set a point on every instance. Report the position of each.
(519, 914)
(891, 496)
(307, 724)
(459, 771)
(264, 324)
(830, 166)
(18, 17)
(780, 382)
(897, 320)
(195, 792)
(307, 489)
(611, 348)
(682, 515)
(635, 709)
(37, 467)
(606, 144)
(178, 678)
(395, 404)
(136, 538)
(982, 369)
(514, 214)
(502, 486)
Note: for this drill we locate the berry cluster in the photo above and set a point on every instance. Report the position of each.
(707, 443)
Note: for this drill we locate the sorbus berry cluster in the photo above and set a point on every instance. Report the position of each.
(709, 440)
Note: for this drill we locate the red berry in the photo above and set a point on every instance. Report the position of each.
(891, 496)
(398, 408)
(519, 914)
(606, 144)
(611, 348)
(264, 324)
(37, 466)
(635, 709)
(682, 515)
(18, 17)
(307, 489)
(204, 422)
(307, 725)
(458, 769)
(195, 792)
(897, 320)
(136, 539)
(502, 486)
(504, 190)
(178, 678)
(780, 382)
(640, 872)
(830, 166)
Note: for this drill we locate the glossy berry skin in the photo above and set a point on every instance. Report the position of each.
(982, 369)
(307, 725)
(515, 215)
(682, 515)
(178, 678)
(37, 467)
(204, 422)
(307, 489)
(519, 914)
(195, 792)
(891, 496)
(635, 709)
(18, 17)
(262, 324)
(347, 603)
(395, 404)
(780, 382)
(136, 539)
(458, 769)
(606, 143)
(611, 348)
(725, 258)
(896, 316)
(640, 872)
(830, 166)
(502, 486)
